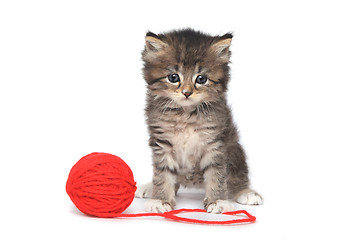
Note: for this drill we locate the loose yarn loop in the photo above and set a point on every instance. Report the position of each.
(102, 185)
(173, 216)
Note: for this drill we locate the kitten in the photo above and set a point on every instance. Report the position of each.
(193, 138)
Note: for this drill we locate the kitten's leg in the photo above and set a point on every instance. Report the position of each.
(215, 190)
(249, 197)
(163, 191)
(238, 178)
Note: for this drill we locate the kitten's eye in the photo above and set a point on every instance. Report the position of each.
(174, 78)
(201, 79)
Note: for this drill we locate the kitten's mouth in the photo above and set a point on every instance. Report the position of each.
(186, 101)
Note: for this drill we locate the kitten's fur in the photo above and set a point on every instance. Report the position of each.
(193, 138)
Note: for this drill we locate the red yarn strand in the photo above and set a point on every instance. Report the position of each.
(173, 216)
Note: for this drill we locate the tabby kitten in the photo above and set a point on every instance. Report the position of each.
(192, 135)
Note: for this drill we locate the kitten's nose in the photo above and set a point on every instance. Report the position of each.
(186, 93)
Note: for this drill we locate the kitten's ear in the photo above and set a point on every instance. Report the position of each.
(153, 43)
(221, 47)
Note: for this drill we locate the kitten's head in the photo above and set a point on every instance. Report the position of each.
(186, 66)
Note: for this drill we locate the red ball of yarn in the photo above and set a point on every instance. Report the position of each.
(101, 185)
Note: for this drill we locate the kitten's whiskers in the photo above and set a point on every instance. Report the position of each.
(167, 107)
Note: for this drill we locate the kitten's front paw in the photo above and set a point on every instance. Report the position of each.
(249, 197)
(220, 206)
(144, 191)
(157, 206)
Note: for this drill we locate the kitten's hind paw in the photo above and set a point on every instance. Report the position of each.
(220, 206)
(144, 191)
(157, 206)
(249, 197)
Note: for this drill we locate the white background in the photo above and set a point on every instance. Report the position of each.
(71, 84)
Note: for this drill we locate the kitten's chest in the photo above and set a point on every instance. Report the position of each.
(189, 144)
